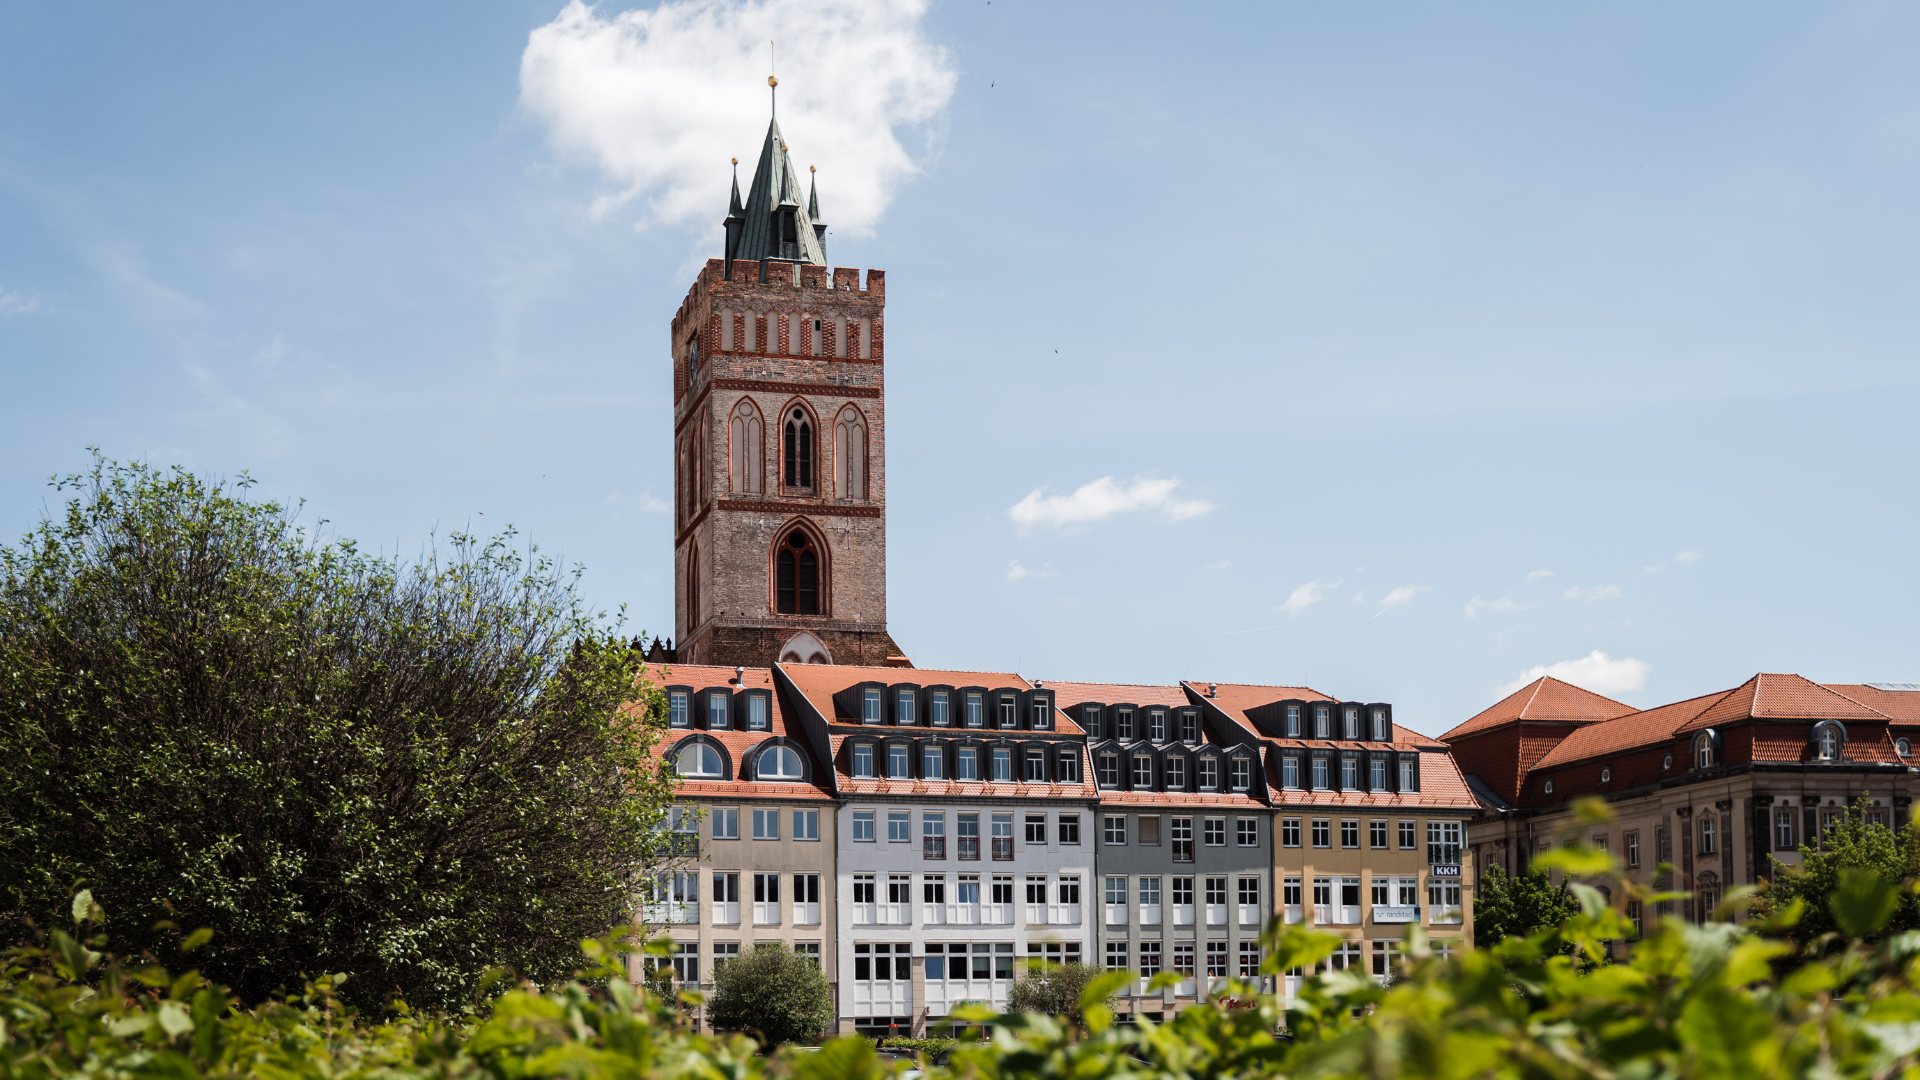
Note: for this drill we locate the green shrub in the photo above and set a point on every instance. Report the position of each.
(928, 1047)
(774, 993)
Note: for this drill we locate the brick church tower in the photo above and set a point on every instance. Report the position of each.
(779, 434)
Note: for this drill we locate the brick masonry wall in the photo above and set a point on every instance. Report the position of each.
(733, 529)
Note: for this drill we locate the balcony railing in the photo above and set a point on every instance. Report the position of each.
(1183, 851)
(1003, 849)
(935, 847)
(726, 913)
(1116, 914)
(863, 915)
(1183, 914)
(1149, 914)
(806, 914)
(1250, 914)
(996, 914)
(1216, 914)
(1347, 914)
(970, 848)
(1053, 914)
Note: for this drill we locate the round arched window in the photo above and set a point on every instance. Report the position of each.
(779, 763)
(1606, 775)
(1903, 747)
(1666, 763)
(1547, 788)
(698, 759)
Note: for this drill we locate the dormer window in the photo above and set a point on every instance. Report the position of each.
(933, 762)
(1240, 770)
(1350, 723)
(975, 711)
(1293, 721)
(1322, 722)
(966, 763)
(1109, 769)
(778, 763)
(870, 705)
(1703, 756)
(1177, 773)
(937, 708)
(1666, 762)
(898, 765)
(903, 709)
(757, 719)
(1090, 719)
(1157, 725)
(863, 761)
(1123, 725)
(1009, 713)
(1547, 788)
(1606, 774)
(1142, 772)
(1290, 771)
(1209, 773)
(1829, 738)
(1042, 714)
(1003, 764)
(1903, 747)
(717, 718)
(1379, 725)
(678, 715)
(1189, 726)
(699, 760)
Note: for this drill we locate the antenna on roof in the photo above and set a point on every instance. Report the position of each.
(773, 82)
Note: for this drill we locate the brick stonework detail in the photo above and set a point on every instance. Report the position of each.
(734, 528)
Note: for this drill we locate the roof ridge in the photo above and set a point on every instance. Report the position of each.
(1856, 701)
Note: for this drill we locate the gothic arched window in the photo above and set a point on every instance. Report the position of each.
(746, 449)
(799, 450)
(796, 581)
(850, 454)
(693, 590)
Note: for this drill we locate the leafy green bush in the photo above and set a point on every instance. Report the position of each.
(336, 762)
(918, 1046)
(1055, 990)
(774, 993)
(1852, 844)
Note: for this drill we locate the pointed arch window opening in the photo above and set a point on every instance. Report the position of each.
(850, 454)
(746, 449)
(797, 576)
(798, 450)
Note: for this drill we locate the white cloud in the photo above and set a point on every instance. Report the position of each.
(1104, 498)
(1538, 574)
(1591, 593)
(1505, 603)
(1306, 596)
(659, 98)
(1595, 671)
(15, 303)
(1687, 557)
(1402, 595)
(1015, 571)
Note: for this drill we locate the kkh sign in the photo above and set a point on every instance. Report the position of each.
(1446, 871)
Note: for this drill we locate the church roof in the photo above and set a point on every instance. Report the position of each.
(776, 188)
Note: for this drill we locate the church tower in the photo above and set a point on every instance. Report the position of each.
(779, 429)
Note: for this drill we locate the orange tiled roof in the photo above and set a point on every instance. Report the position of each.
(1228, 800)
(1547, 699)
(1901, 706)
(1783, 697)
(1237, 698)
(910, 789)
(1629, 731)
(1067, 694)
(1441, 784)
(738, 743)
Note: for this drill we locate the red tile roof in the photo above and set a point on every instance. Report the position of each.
(1901, 706)
(737, 743)
(1067, 694)
(1783, 697)
(1441, 785)
(1236, 699)
(1627, 732)
(903, 789)
(1544, 699)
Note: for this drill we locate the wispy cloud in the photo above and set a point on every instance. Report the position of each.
(1685, 558)
(1537, 575)
(1016, 572)
(1505, 603)
(1305, 596)
(1213, 567)
(1104, 498)
(17, 303)
(1402, 595)
(659, 98)
(1592, 593)
(1595, 671)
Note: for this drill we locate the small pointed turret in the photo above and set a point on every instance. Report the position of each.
(735, 222)
(813, 209)
(774, 225)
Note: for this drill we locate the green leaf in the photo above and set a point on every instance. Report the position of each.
(82, 905)
(1864, 902)
(196, 939)
(174, 1018)
(1576, 860)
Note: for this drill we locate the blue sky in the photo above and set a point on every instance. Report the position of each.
(1419, 348)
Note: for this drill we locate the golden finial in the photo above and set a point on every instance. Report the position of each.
(773, 80)
(813, 168)
(736, 161)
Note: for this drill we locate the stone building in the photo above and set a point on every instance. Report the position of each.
(779, 429)
(1713, 786)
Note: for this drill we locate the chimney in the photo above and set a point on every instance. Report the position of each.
(740, 676)
(1213, 689)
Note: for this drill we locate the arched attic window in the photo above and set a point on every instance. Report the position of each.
(796, 583)
(698, 760)
(778, 763)
(799, 449)
(746, 449)
(1706, 750)
(1829, 740)
(850, 454)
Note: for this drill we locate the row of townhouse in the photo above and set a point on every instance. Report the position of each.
(928, 834)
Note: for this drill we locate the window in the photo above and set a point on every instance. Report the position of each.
(1443, 843)
(899, 823)
(1349, 772)
(1783, 830)
(1209, 774)
(1142, 772)
(1246, 832)
(718, 718)
(1177, 772)
(1409, 774)
(1547, 788)
(1009, 714)
(1322, 832)
(863, 890)
(1703, 751)
(1149, 830)
(1319, 773)
(677, 710)
(903, 714)
(1322, 722)
(1183, 892)
(1036, 889)
(1241, 772)
(806, 824)
(1157, 725)
(933, 889)
(1293, 721)
(756, 712)
(1036, 828)
(1069, 828)
(1249, 959)
(1189, 726)
(1250, 891)
(1090, 720)
(698, 759)
(1290, 832)
(863, 826)
(1409, 836)
(1631, 842)
(1377, 835)
(1828, 737)
(966, 763)
(1042, 715)
(1213, 832)
(1114, 829)
(898, 767)
(850, 454)
(1379, 725)
(1117, 890)
(1149, 959)
(937, 708)
(799, 450)
(1633, 916)
(1602, 843)
(933, 832)
(1123, 724)
(1109, 769)
(870, 706)
(726, 823)
(1036, 772)
(1903, 747)
(1069, 763)
(975, 715)
(863, 761)
(766, 824)
(1290, 771)
(1350, 723)
(778, 763)
(1150, 892)
(1377, 774)
(797, 577)
(724, 951)
(1349, 833)
(933, 762)
(1707, 837)
(1117, 956)
(1003, 763)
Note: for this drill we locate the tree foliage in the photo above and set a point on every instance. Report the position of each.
(1507, 905)
(335, 762)
(774, 993)
(1054, 990)
(1852, 843)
